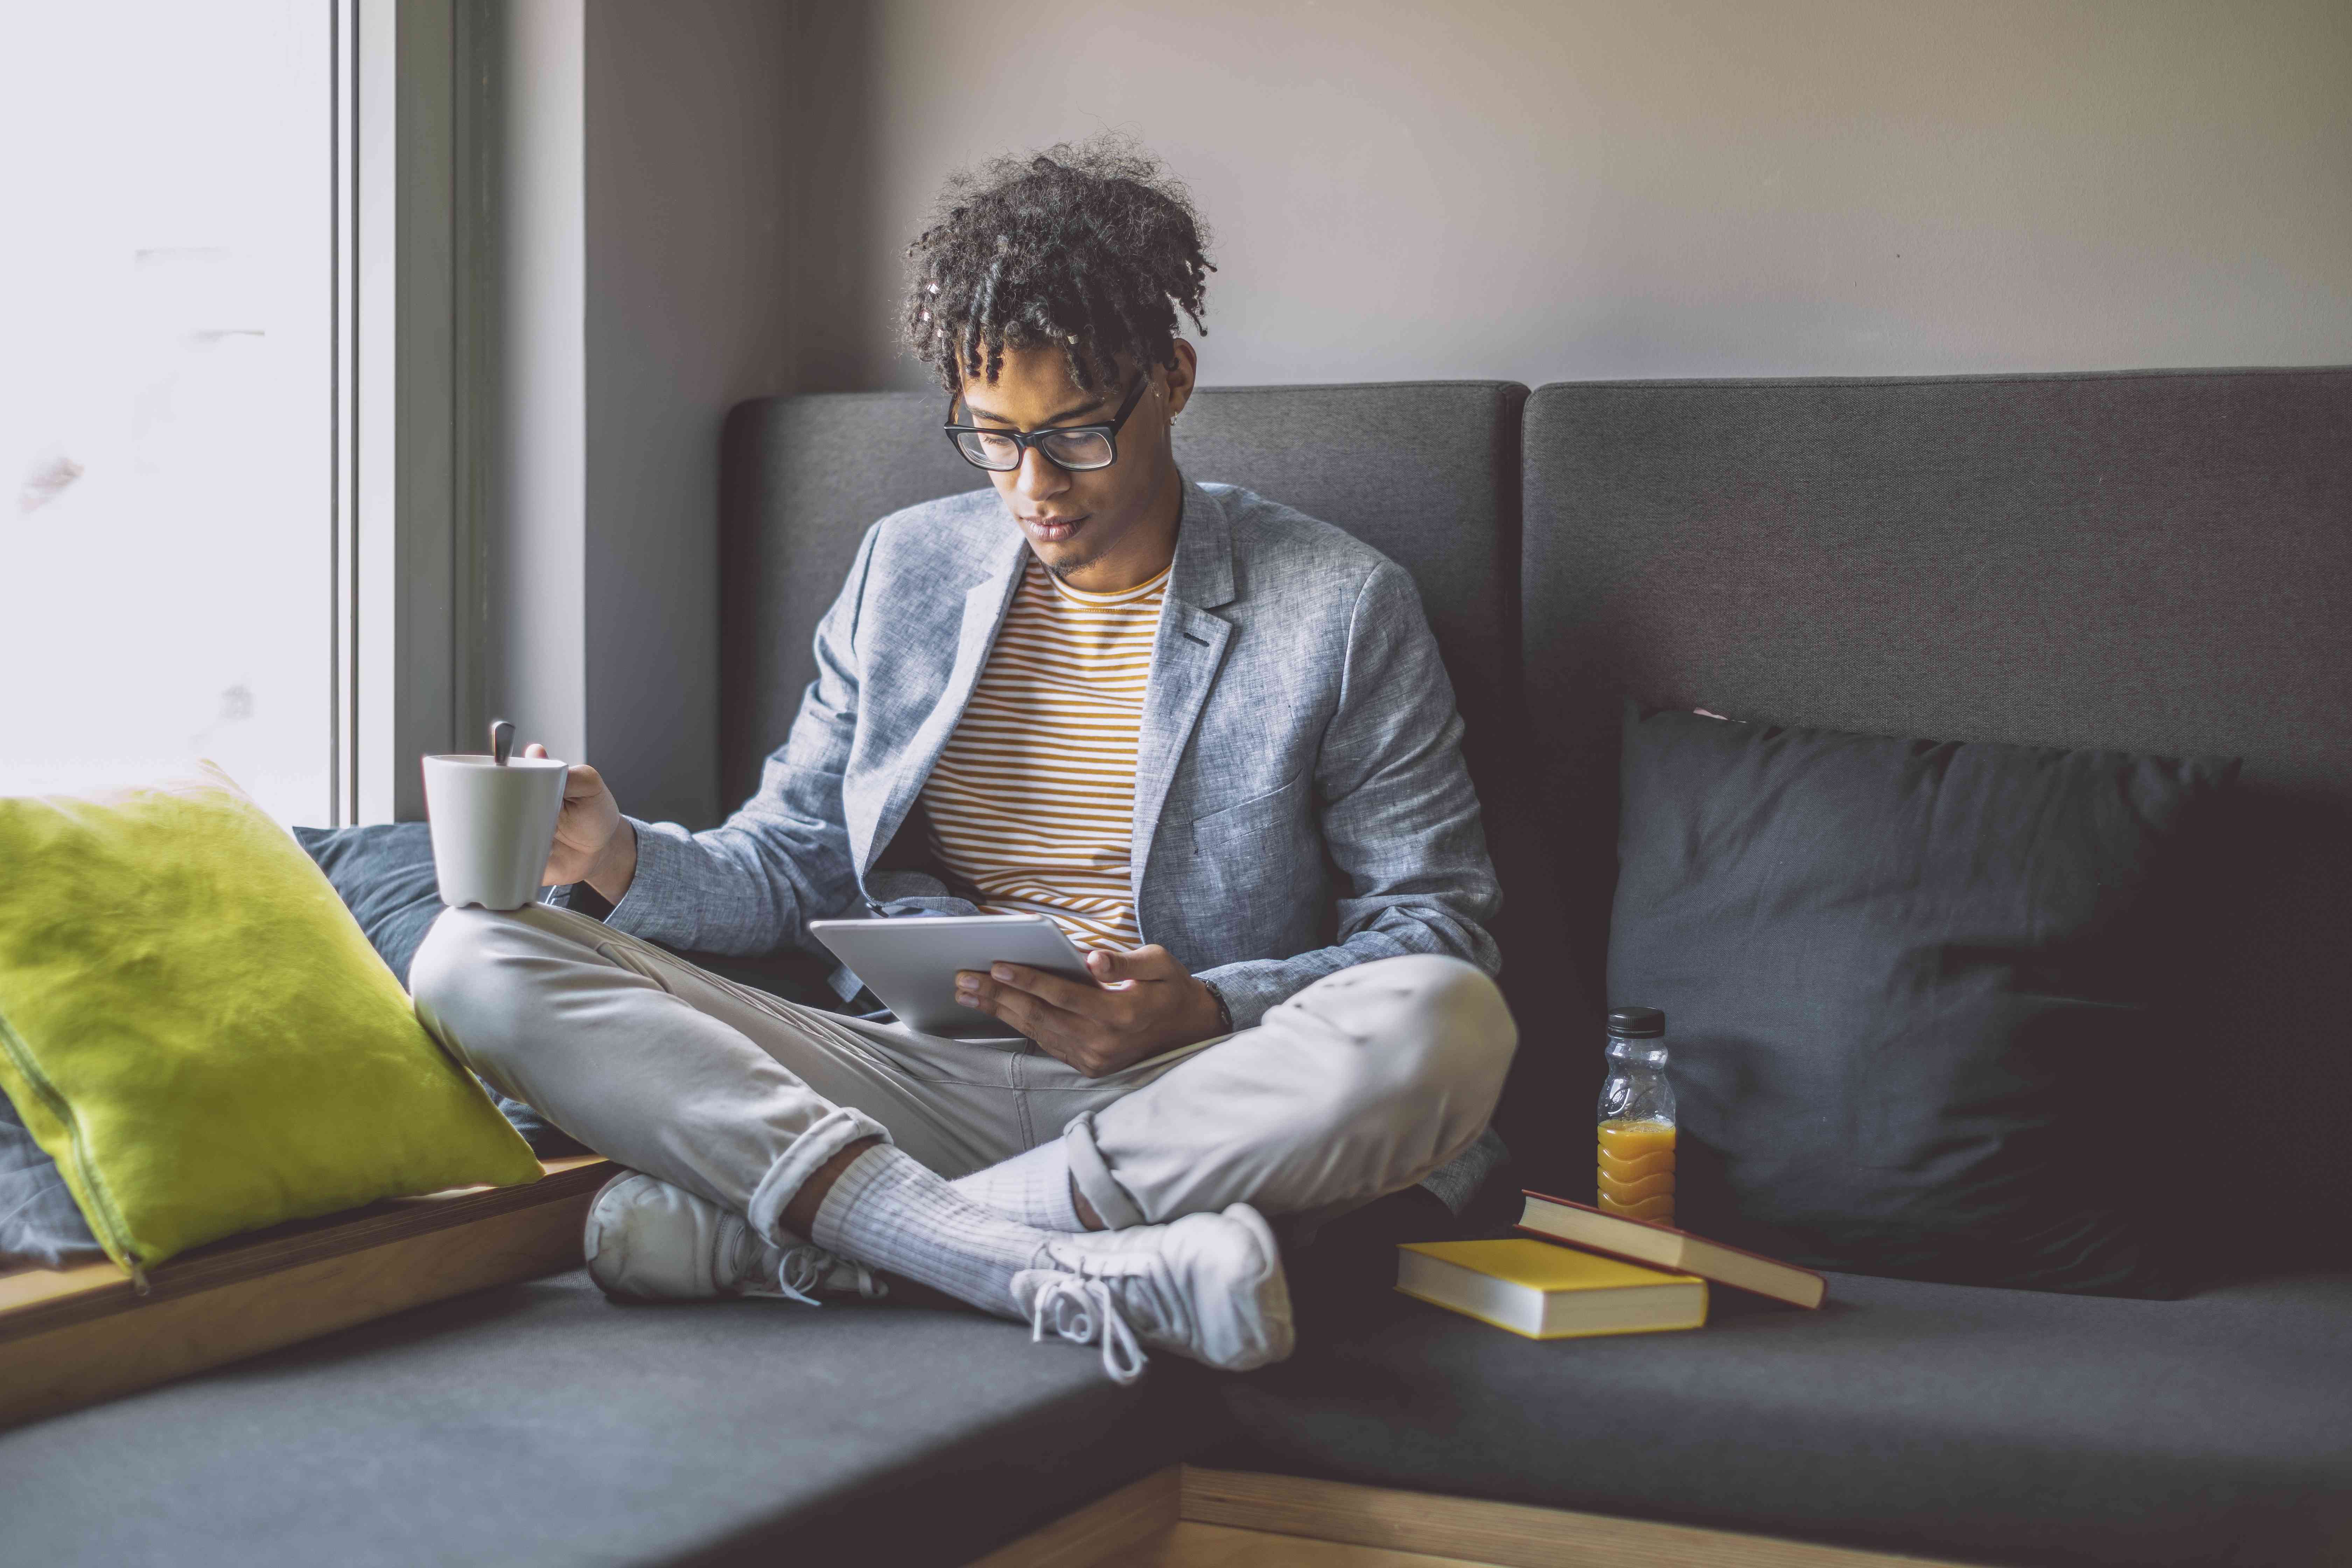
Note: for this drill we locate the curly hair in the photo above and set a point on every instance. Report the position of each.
(1089, 245)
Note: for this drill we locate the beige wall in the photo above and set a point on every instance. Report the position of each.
(707, 200)
(686, 141)
(637, 224)
(1642, 187)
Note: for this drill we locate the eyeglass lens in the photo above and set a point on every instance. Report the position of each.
(1066, 448)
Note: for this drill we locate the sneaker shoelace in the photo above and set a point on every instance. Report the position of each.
(1081, 1311)
(805, 1267)
(802, 1271)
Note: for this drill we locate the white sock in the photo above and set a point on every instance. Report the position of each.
(889, 1211)
(1034, 1188)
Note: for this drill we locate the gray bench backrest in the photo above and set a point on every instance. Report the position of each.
(2157, 561)
(2160, 562)
(1427, 472)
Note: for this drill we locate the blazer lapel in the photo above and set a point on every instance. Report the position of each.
(983, 611)
(1186, 657)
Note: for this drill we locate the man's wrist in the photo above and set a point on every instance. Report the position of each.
(1224, 1011)
(618, 867)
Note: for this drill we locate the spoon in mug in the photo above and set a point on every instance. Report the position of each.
(501, 740)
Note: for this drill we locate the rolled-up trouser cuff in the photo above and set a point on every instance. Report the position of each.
(833, 1132)
(1092, 1175)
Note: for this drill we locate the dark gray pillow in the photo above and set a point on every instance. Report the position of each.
(1916, 993)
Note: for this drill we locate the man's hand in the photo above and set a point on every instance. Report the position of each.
(1145, 1002)
(593, 844)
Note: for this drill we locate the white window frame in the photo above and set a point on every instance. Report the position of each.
(403, 516)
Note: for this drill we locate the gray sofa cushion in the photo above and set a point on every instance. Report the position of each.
(540, 1424)
(1420, 470)
(1946, 1420)
(1423, 472)
(2150, 561)
(802, 479)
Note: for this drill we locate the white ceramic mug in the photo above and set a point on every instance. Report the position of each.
(492, 826)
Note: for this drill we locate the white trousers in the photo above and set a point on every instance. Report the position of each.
(1362, 1084)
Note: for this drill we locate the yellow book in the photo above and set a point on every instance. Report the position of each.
(1548, 1292)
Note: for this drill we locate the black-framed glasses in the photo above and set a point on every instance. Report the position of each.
(1074, 446)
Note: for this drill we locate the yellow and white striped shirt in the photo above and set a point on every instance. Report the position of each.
(1033, 801)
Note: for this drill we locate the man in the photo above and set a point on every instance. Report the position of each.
(1208, 736)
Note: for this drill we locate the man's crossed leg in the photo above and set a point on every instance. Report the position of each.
(963, 1165)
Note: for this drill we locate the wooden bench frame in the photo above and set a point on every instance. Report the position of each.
(1187, 1517)
(72, 1337)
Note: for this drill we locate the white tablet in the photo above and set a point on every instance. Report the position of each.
(911, 963)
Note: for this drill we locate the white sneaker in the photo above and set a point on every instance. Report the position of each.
(649, 1241)
(1208, 1286)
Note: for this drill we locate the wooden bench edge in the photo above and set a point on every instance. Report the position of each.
(98, 1340)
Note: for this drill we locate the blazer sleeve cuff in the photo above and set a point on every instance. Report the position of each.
(1254, 988)
(657, 905)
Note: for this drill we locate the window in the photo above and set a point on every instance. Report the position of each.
(168, 396)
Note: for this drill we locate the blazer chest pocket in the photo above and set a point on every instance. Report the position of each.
(1270, 828)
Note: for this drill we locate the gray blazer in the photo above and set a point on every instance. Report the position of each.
(1300, 801)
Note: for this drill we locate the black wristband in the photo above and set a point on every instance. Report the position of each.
(1225, 1013)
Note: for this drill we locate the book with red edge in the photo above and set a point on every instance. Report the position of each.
(1663, 1247)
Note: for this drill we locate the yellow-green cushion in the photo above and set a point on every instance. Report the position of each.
(194, 1029)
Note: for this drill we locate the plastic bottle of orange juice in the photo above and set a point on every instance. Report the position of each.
(1637, 1118)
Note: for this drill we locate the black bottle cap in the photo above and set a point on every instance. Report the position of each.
(1636, 1023)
